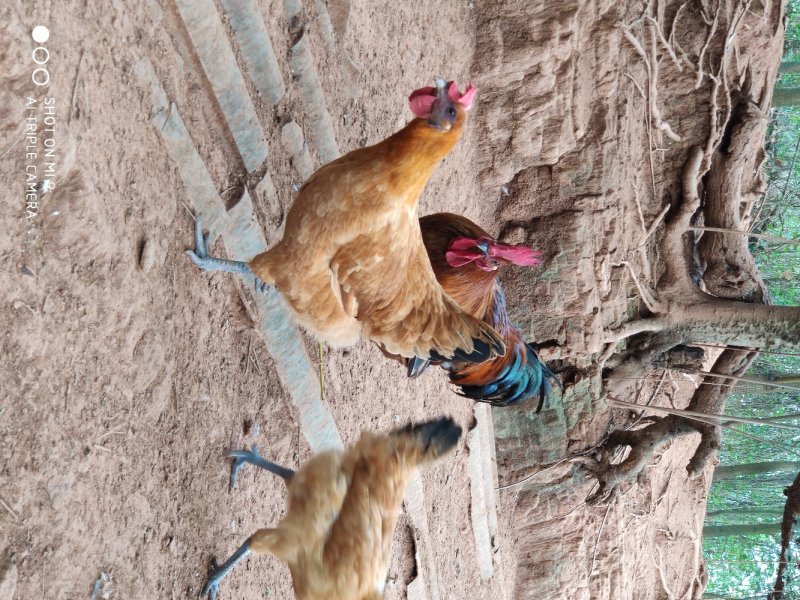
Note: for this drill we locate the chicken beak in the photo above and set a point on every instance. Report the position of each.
(437, 118)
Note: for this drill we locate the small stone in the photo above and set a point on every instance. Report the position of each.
(147, 256)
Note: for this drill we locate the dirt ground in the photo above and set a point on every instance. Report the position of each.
(126, 374)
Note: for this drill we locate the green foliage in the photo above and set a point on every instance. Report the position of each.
(745, 566)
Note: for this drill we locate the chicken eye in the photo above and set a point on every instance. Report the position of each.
(451, 112)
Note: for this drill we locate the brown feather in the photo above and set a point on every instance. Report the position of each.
(352, 246)
(343, 506)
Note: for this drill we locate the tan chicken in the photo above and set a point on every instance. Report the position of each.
(343, 506)
(352, 261)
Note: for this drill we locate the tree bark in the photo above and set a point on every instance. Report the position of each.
(790, 512)
(730, 271)
(708, 320)
(731, 471)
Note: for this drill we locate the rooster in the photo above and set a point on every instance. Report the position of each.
(467, 261)
(352, 261)
(343, 506)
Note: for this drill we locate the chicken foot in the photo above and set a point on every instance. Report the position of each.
(252, 457)
(241, 457)
(218, 572)
(199, 256)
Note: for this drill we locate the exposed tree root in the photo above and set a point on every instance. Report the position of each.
(707, 399)
(642, 442)
(735, 312)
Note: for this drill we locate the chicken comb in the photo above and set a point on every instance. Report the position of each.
(516, 254)
(421, 101)
(464, 99)
(463, 250)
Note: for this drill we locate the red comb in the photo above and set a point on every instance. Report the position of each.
(518, 255)
(464, 99)
(421, 101)
(463, 250)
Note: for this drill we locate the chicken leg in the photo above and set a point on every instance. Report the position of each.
(241, 457)
(218, 572)
(199, 256)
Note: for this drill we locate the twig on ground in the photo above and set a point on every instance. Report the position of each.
(14, 143)
(639, 210)
(114, 431)
(10, 510)
(531, 476)
(189, 210)
(658, 122)
(254, 359)
(749, 380)
(321, 376)
(664, 42)
(75, 87)
(636, 83)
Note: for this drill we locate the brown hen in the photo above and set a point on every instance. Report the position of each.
(352, 261)
(343, 506)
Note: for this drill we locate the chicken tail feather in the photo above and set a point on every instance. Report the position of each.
(431, 439)
(507, 380)
(485, 341)
(417, 366)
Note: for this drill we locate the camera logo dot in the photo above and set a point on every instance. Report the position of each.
(40, 34)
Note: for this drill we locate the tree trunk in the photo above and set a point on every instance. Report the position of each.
(714, 531)
(786, 379)
(788, 417)
(786, 97)
(746, 512)
(790, 512)
(767, 388)
(713, 321)
(731, 471)
(789, 66)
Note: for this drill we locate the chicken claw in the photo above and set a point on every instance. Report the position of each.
(218, 572)
(261, 286)
(254, 458)
(200, 238)
(199, 256)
